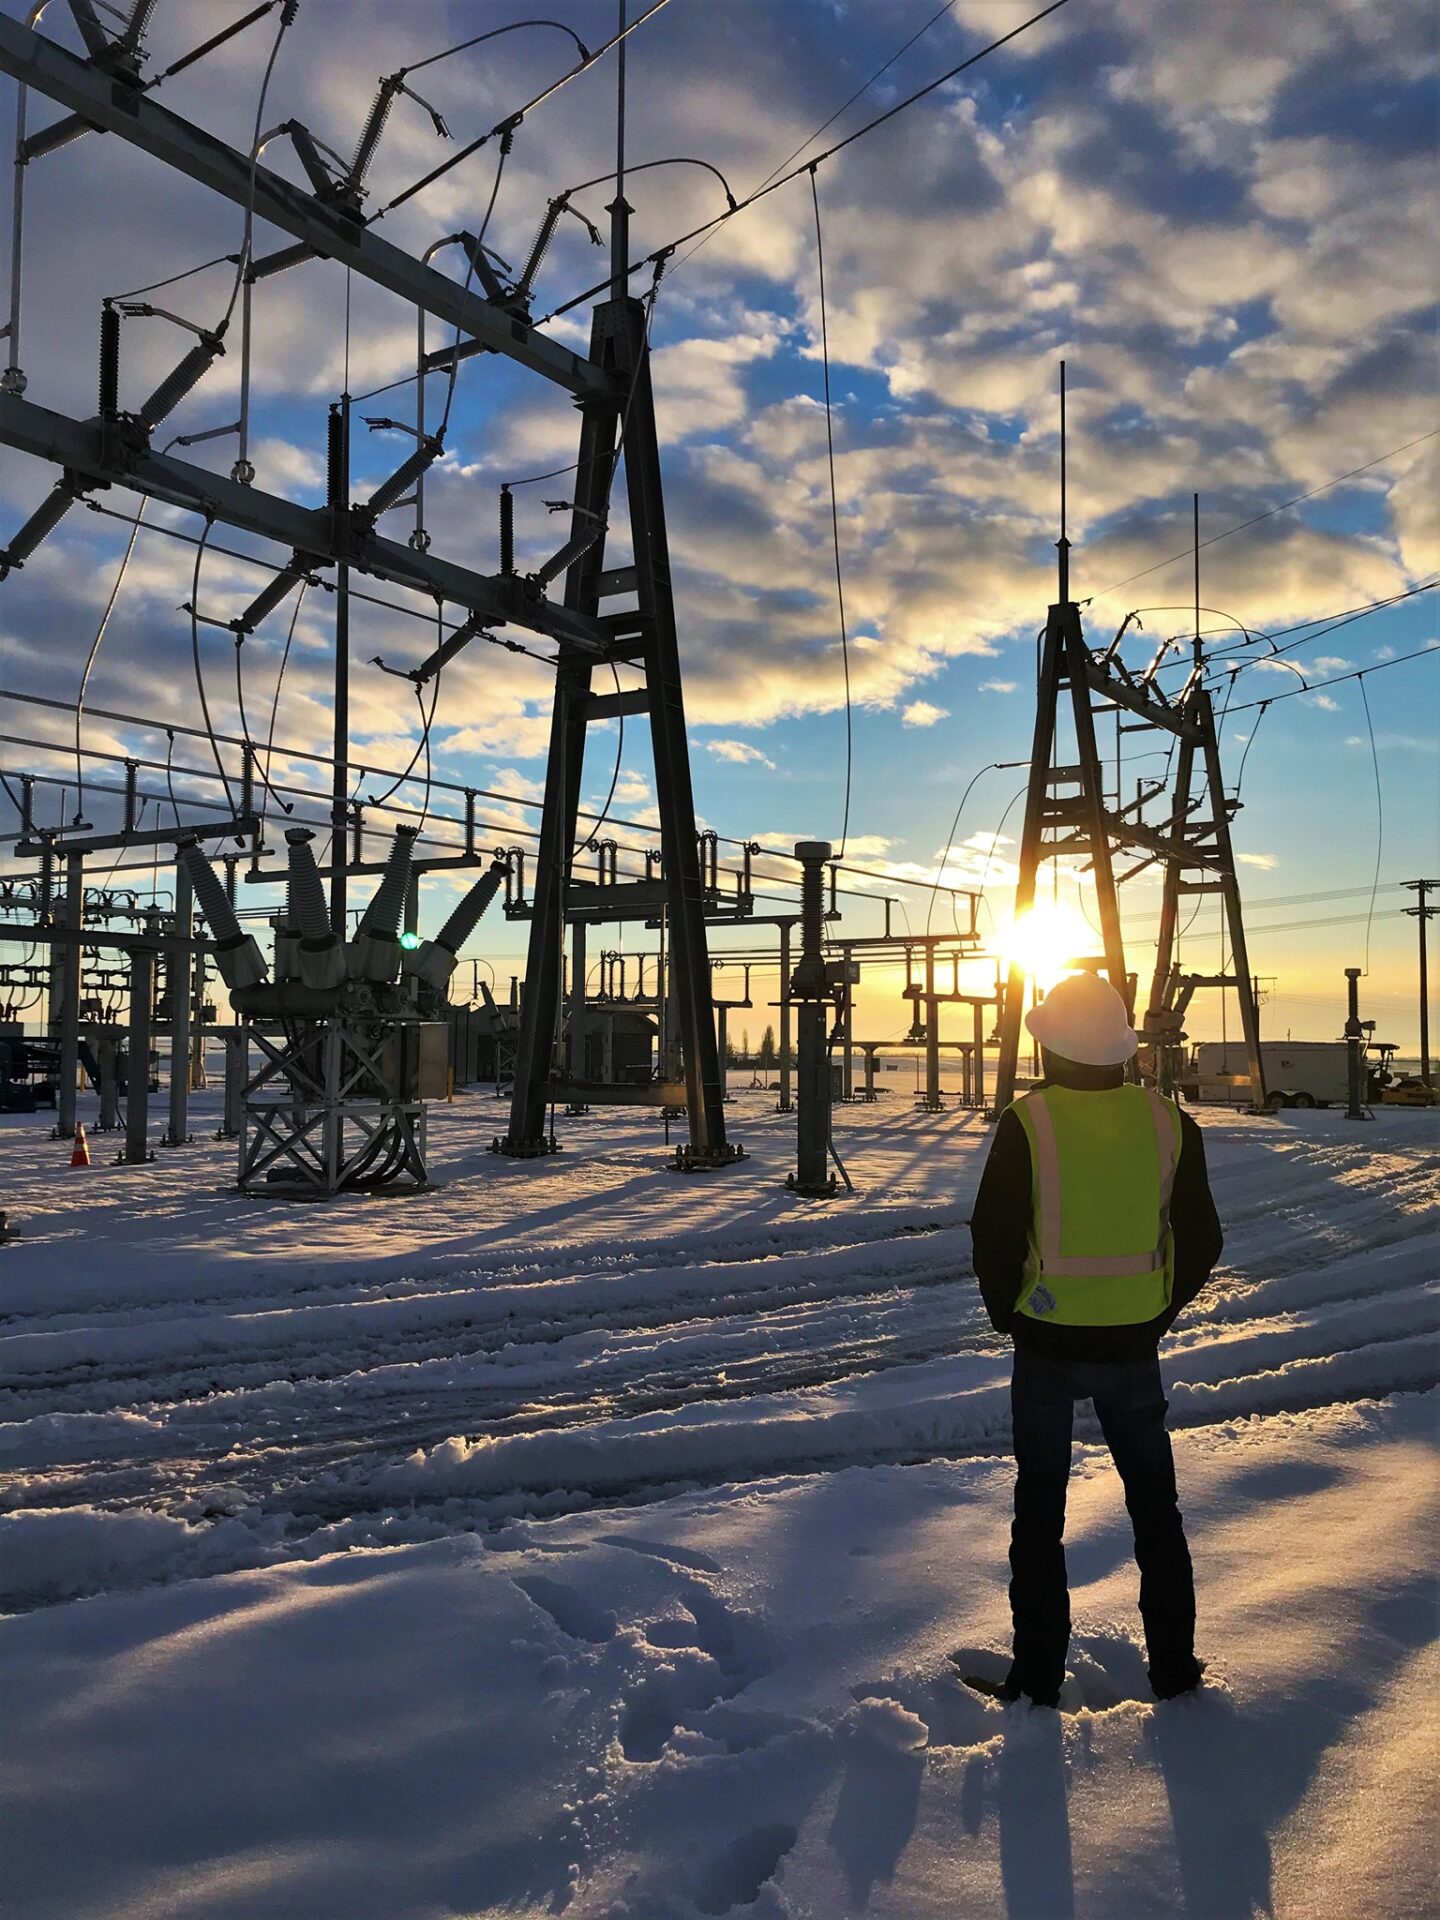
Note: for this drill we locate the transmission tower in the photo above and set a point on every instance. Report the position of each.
(1068, 813)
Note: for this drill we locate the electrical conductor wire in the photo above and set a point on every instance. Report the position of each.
(834, 508)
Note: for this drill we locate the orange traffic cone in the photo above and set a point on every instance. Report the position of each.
(80, 1157)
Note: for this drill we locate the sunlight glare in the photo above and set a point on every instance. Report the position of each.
(1047, 943)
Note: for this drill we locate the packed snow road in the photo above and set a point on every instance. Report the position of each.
(256, 1380)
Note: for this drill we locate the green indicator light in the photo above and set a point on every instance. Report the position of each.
(409, 941)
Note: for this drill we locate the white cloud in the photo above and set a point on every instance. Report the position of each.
(921, 713)
(740, 753)
(1267, 861)
(1323, 701)
(998, 686)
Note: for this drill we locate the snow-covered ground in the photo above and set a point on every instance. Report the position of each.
(584, 1538)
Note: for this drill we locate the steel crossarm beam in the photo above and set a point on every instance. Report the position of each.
(335, 231)
(1130, 833)
(1103, 682)
(80, 448)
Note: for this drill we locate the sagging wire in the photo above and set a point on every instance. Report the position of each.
(422, 745)
(1315, 686)
(169, 776)
(1240, 776)
(1379, 820)
(100, 632)
(251, 755)
(950, 841)
(514, 119)
(594, 832)
(275, 696)
(825, 125)
(191, 608)
(507, 140)
(244, 276)
(784, 179)
(834, 506)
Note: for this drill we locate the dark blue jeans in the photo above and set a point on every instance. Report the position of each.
(1130, 1405)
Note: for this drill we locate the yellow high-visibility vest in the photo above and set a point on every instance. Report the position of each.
(1101, 1253)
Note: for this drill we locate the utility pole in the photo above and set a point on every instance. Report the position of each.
(1354, 1037)
(809, 989)
(1422, 913)
(338, 477)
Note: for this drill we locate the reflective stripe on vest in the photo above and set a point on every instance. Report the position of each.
(1130, 1282)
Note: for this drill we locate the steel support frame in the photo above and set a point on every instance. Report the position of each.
(618, 344)
(332, 1071)
(1065, 661)
(1165, 1011)
(336, 231)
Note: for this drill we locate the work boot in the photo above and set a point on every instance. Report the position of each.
(1013, 1687)
(1171, 1682)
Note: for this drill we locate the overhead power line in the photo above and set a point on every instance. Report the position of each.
(774, 186)
(1421, 653)
(1186, 552)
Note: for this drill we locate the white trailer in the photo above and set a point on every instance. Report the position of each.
(1298, 1073)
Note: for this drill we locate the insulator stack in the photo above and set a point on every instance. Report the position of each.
(572, 550)
(109, 360)
(404, 476)
(59, 134)
(468, 915)
(384, 911)
(236, 954)
(375, 953)
(266, 601)
(320, 954)
(137, 23)
(190, 372)
(46, 517)
(370, 133)
(544, 234)
(435, 961)
(507, 531)
(305, 893)
(281, 260)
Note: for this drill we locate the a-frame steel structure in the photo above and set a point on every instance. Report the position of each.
(1068, 813)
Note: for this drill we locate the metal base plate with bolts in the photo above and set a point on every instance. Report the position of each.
(690, 1159)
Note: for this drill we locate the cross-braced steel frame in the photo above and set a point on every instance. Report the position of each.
(612, 387)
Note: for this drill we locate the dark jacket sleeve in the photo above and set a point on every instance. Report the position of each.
(1000, 1222)
(1193, 1220)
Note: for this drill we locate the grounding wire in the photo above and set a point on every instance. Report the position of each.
(834, 507)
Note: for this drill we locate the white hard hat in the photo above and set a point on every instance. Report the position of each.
(1084, 1018)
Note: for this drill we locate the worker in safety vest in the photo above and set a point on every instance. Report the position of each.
(1093, 1228)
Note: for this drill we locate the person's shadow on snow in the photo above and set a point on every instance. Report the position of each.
(1035, 1864)
(874, 1815)
(1205, 1748)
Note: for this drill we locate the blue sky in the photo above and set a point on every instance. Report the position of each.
(1222, 218)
